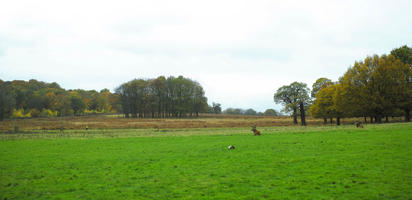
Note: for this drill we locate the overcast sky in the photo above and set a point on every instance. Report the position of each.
(241, 52)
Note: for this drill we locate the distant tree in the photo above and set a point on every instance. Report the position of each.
(271, 112)
(217, 109)
(285, 96)
(403, 53)
(319, 84)
(250, 111)
(404, 102)
(234, 111)
(50, 100)
(7, 100)
(328, 103)
(161, 97)
(375, 87)
(77, 105)
(64, 106)
(199, 101)
(294, 96)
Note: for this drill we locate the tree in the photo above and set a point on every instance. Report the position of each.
(199, 100)
(284, 96)
(271, 112)
(250, 111)
(375, 87)
(404, 54)
(234, 111)
(319, 84)
(64, 106)
(77, 105)
(171, 97)
(329, 103)
(323, 104)
(217, 109)
(294, 96)
(7, 100)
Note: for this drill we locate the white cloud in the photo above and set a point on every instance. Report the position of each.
(240, 51)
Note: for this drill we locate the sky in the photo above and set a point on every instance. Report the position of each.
(240, 51)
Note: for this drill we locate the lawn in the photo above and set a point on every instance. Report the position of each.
(284, 163)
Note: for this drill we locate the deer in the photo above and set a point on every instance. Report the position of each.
(255, 132)
(358, 125)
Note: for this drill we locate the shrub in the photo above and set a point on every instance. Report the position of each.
(18, 113)
(33, 113)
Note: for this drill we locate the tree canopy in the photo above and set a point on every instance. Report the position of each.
(376, 87)
(293, 97)
(163, 97)
(39, 99)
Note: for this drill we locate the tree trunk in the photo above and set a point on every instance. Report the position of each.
(302, 114)
(295, 117)
(338, 121)
(407, 115)
(366, 121)
(325, 120)
(378, 119)
(371, 120)
(331, 120)
(386, 119)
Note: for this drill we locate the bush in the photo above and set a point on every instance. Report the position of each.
(33, 113)
(48, 113)
(18, 113)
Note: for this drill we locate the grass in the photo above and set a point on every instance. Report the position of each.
(117, 122)
(284, 163)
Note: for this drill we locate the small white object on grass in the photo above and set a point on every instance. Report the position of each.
(231, 147)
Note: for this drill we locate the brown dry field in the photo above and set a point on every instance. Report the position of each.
(119, 122)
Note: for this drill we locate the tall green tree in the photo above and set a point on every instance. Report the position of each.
(375, 87)
(284, 95)
(7, 100)
(319, 84)
(217, 108)
(294, 96)
(161, 97)
(404, 54)
(270, 112)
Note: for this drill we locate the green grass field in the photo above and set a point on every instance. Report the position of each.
(284, 163)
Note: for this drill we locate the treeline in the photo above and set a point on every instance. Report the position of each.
(21, 99)
(162, 97)
(377, 87)
(250, 111)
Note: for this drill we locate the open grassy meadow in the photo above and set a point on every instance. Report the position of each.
(288, 162)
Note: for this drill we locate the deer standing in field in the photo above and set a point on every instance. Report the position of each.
(359, 125)
(255, 132)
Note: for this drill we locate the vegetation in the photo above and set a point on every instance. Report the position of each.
(250, 111)
(285, 162)
(161, 97)
(104, 122)
(20, 99)
(379, 86)
(294, 97)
